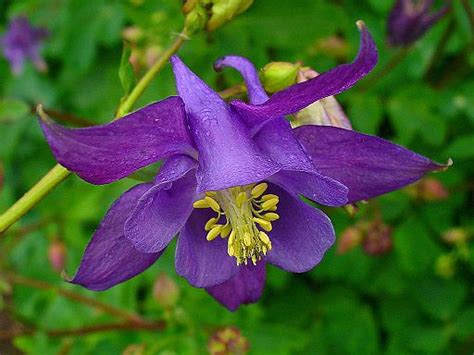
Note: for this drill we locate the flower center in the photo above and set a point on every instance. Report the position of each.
(248, 214)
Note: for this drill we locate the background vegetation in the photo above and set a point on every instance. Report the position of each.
(411, 295)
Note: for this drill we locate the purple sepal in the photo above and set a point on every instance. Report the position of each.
(103, 154)
(369, 166)
(110, 258)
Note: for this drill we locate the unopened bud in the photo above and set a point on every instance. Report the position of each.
(223, 11)
(165, 291)
(324, 112)
(333, 46)
(196, 20)
(132, 34)
(134, 349)
(228, 341)
(349, 239)
(455, 236)
(445, 266)
(57, 255)
(378, 240)
(428, 189)
(276, 76)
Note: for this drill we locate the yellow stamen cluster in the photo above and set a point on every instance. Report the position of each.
(248, 215)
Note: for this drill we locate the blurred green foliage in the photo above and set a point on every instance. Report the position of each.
(415, 299)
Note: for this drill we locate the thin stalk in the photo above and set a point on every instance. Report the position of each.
(125, 326)
(58, 173)
(393, 62)
(76, 297)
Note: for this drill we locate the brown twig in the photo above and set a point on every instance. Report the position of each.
(114, 311)
(108, 327)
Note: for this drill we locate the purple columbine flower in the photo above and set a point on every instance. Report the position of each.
(410, 19)
(231, 181)
(22, 41)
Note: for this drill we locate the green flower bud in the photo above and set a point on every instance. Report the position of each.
(195, 20)
(276, 76)
(224, 10)
(456, 236)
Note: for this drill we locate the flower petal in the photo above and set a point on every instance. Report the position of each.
(164, 209)
(369, 166)
(227, 155)
(301, 95)
(301, 236)
(312, 185)
(103, 154)
(110, 258)
(255, 90)
(203, 263)
(244, 288)
(276, 139)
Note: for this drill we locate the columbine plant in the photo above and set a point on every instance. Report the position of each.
(231, 181)
(22, 42)
(410, 19)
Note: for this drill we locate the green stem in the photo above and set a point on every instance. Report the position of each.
(57, 174)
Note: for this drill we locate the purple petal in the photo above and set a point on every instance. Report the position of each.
(164, 209)
(244, 288)
(276, 139)
(369, 166)
(301, 95)
(301, 236)
(227, 155)
(110, 258)
(255, 90)
(103, 154)
(312, 185)
(203, 263)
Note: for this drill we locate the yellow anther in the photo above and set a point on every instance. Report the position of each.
(269, 203)
(273, 209)
(254, 259)
(264, 237)
(271, 216)
(230, 250)
(200, 204)
(212, 203)
(241, 198)
(226, 230)
(211, 193)
(264, 250)
(269, 245)
(259, 189)
(263, 223)
(247, 239)
(214, 232)
(210, 224)
(269, 197)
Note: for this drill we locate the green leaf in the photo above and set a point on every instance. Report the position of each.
(365, 112)
(414, 249)
(12, 109)
(438, 298)
(461, 148)
(464, 323)
(126, 74)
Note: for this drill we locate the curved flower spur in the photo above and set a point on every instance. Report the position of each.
(231, 180)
